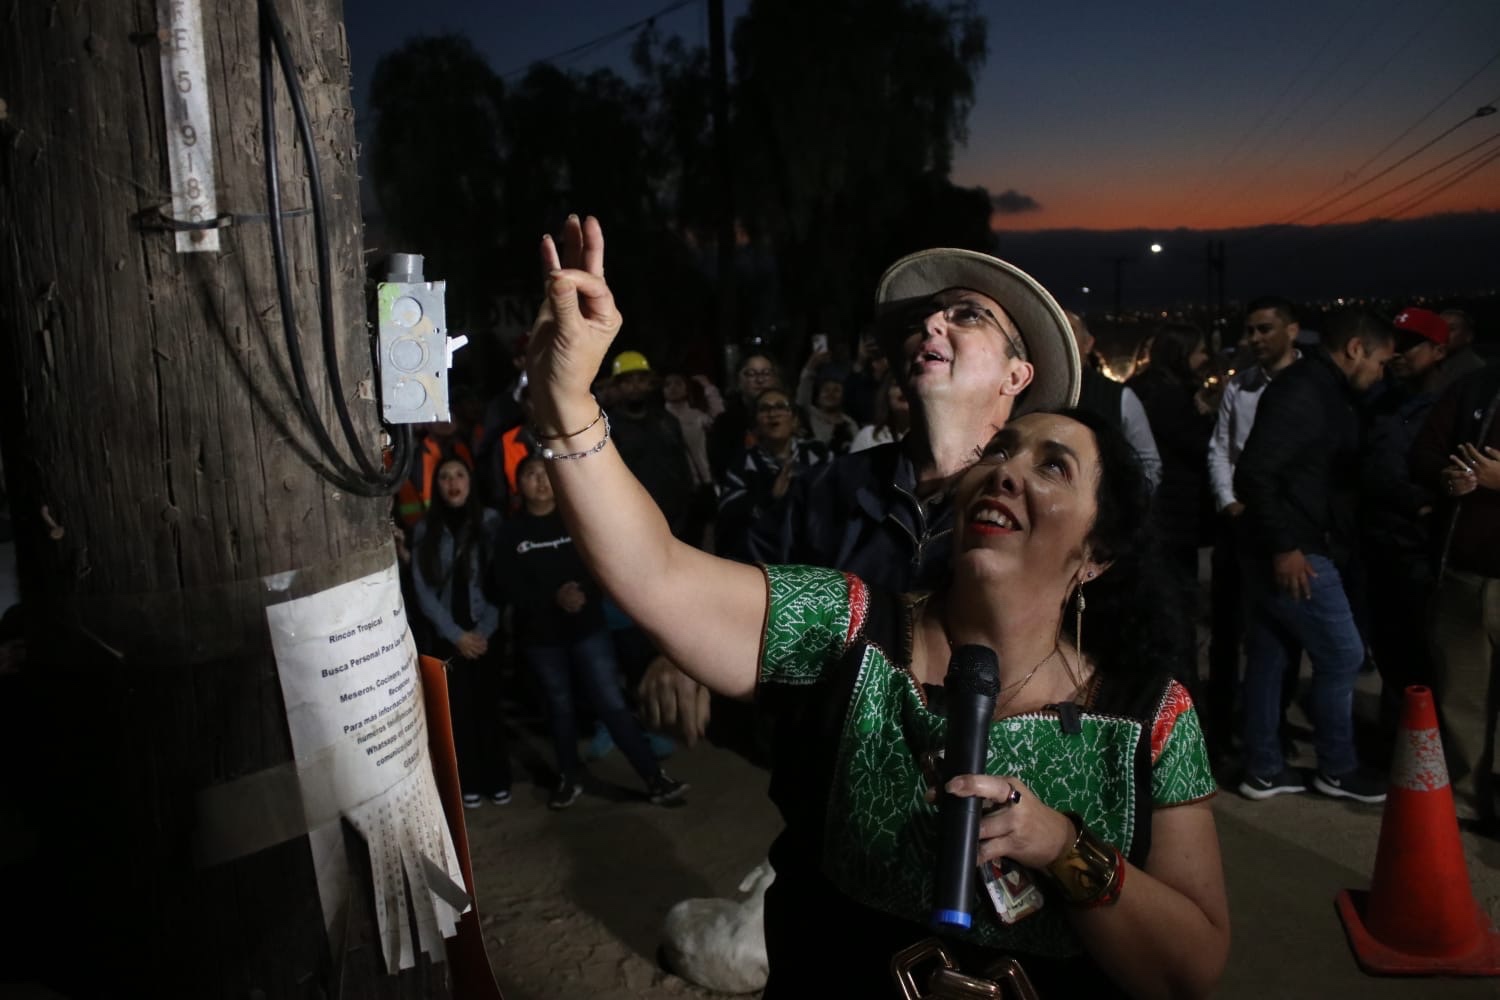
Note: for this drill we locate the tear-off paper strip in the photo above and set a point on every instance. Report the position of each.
(349, 677)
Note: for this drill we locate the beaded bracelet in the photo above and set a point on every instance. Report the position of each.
(552, 456)
(536, 431)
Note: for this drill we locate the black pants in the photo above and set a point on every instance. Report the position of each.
(1235, 563)
(1399, 591)
(1227, 622)
(474, 701)
(1180, 559)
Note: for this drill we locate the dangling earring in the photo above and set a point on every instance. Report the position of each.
(1078, 606)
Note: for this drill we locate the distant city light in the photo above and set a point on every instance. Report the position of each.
(1156, 248)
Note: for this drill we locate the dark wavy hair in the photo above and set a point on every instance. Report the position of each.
(1171, 346)
(466, 525)
(1133, 614)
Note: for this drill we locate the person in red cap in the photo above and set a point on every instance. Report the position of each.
(1396, 516)
(1421, 347)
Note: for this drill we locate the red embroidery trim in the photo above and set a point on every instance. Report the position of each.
(859, 604)
(1176, 701)
(1111, 895)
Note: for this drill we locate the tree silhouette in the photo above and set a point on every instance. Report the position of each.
(845, 117)
(436, 159)
(848, 113)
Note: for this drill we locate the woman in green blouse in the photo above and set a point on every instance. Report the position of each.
(1097, 780)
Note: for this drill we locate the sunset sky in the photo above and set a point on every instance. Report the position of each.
(1107, 115)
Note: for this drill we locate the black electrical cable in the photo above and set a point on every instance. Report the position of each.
(320, 232)
(369, 480)
(343, 476)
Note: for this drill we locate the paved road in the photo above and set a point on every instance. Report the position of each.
(572, 901)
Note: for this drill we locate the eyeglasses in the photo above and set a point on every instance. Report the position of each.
(965, 315)
(757, 372)
(781, 407)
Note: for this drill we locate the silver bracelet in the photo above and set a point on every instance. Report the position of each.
(536, 431)
(552, 456)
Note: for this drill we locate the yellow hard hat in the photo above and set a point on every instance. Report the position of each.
(630, 361)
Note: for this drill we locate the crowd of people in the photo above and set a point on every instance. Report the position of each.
(938, 487)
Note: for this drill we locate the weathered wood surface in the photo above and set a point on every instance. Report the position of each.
(156, 468)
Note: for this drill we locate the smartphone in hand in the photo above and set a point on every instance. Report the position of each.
(819, 342)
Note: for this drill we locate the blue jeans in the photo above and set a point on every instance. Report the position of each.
(590, 662)
(1324, 626)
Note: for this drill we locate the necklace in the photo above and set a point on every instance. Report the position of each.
(1018, 686)
(1021, 684)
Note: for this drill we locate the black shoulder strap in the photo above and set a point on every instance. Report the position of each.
(1137, 701)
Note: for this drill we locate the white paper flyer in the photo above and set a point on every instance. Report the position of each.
(353, 695)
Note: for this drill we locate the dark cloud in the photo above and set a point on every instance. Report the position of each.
(1013, 202)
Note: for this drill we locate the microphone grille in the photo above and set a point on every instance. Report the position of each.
(973, 670)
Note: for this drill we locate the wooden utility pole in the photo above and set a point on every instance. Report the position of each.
(157, 471)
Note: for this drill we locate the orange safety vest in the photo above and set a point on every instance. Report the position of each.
(415, 494)
(512, 450)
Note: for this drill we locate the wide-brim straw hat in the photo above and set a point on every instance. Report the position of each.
(1057, 373)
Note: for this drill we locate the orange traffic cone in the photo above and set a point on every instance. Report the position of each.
(1419, 917)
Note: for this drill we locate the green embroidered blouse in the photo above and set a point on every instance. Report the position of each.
(879, 834)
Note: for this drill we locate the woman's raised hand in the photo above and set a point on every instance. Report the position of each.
(576, 325)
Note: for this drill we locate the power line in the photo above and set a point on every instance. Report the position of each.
(1277, 228)
(1432, 192)
(1463, 174)
(599, 42)
(1350, 175)
(1272, 107)
(1409, 181)
(1481, 112)
(1297, 145)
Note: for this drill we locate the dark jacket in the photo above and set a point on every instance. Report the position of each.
(1181, 434)
(728, 434)
(534, 556)
(1465, 413)
(1394, 533)
(859, 513)
(1299, 473)
(1101, 396)
(655, 453)
(746, 492)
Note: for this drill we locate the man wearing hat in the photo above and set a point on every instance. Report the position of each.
(649, 438)
(974, 341)
(1397, 511)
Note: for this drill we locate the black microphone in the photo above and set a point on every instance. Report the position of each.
(969, 692)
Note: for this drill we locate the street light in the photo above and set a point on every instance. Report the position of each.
(1119, 262)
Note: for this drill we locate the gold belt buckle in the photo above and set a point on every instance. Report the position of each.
(944, 981)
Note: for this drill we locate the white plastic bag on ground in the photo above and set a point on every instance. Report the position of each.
(720, 944)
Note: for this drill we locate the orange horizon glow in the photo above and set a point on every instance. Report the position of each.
(1164, 206)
